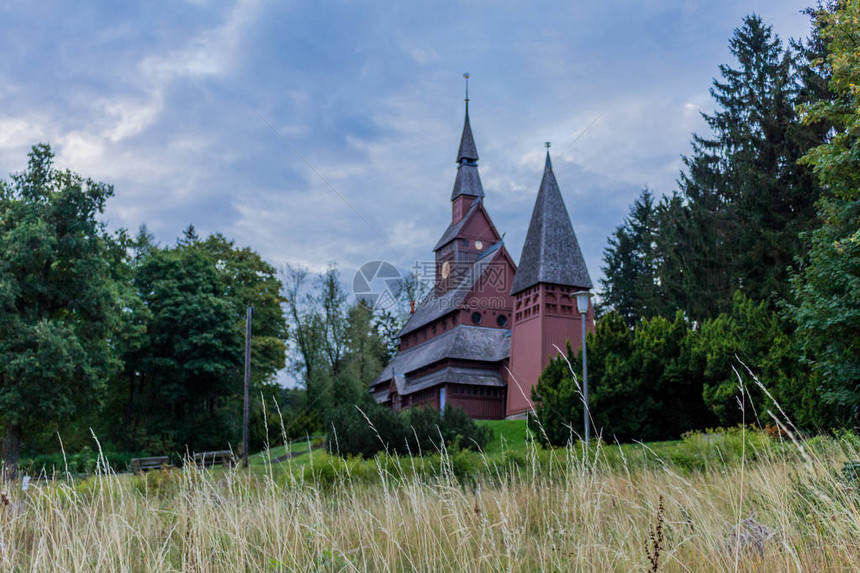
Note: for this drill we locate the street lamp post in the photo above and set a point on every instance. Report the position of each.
(582, 298)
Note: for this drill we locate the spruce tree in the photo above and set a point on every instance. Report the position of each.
(630, 285)
(744, 198)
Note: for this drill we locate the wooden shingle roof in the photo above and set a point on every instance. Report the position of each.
(551, 252)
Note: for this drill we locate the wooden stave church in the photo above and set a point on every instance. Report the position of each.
(488, 328)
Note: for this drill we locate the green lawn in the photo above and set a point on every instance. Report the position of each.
(507, 435)
(296, 446)
(511, 435)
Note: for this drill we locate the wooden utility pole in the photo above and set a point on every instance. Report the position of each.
(247, 415)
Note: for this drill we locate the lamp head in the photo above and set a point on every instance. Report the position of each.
(582, 298)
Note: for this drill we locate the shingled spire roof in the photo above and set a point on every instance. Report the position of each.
(551, 253)
(468, 152)
(468, 181)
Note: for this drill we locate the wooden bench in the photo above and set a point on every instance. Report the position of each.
(216, 458)
(140, 465)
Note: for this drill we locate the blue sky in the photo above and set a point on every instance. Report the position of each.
(172, 102)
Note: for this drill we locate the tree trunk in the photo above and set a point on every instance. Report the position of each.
(11, 447)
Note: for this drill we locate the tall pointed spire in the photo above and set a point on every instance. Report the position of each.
(551, 252)
(468, 181)
(468, 152)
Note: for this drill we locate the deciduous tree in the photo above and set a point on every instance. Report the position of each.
(827, 289)
(59, 298)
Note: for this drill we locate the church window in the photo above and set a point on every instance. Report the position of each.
(477, 317)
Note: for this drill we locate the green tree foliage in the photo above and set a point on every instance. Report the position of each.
(250, 281)
(827, 289)
(305, 356)
(744, 198)
(752, 336)
(59, 297)
(630, 285)
(641, 384)
(336, 348)
(192, 360)
(365, 356)
(720, 249)
(558, 393)
(372, 428)
(182, 381)
(663, 378)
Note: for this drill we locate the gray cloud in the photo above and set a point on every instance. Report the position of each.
(163, 103)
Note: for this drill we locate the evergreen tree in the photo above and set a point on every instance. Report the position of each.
(743, 199)
(752, 336)
(630, 283)
(643, 384)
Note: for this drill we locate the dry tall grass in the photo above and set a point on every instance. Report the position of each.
(555, 511)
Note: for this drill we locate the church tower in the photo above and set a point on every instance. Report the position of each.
(471, 232)
(545, 317)
(455, 346)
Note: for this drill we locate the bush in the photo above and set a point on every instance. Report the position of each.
(642, 384)
(364, 432)
(86, 461)
(416, 431)
(423, 430)
(700, 450)
(461, 432)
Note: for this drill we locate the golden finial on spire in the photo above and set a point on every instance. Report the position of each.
(467, 75)
(547, 144)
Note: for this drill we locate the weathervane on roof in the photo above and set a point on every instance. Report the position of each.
(467, 75)
(547, 144)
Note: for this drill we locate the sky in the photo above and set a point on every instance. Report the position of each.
(320, 132)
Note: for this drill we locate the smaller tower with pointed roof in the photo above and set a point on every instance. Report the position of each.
(545, 318)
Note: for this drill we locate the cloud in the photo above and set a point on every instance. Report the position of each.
(132, 117)
(162, 101)
(211, 53)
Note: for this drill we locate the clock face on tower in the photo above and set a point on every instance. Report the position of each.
(446, 269)
(479, 245)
